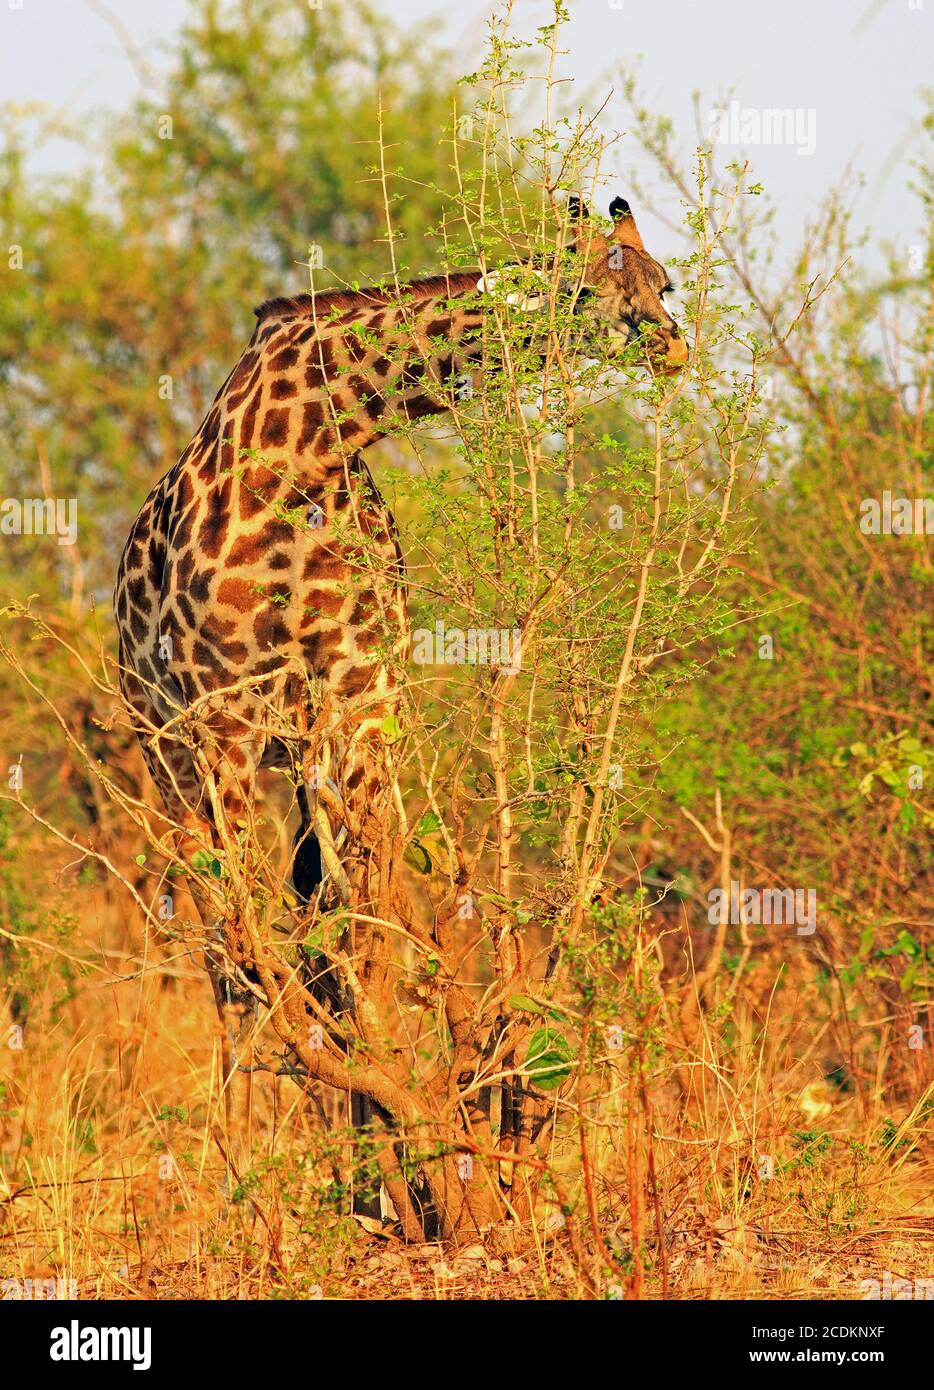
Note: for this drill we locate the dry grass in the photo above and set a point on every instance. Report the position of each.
(113, 1176)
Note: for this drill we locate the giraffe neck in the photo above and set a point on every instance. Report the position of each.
(325, 376)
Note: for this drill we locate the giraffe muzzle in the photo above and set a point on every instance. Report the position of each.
(669, 353)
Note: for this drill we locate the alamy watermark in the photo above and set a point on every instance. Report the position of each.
(780, 907)
(55, 1289)
(475, 646)
(77, 1343)
(40, 516)
(756, 125)
(896, 516)
(890, 1286)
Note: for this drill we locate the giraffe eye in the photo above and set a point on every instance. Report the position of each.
(669, 289)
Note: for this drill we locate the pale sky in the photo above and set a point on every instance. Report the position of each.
(854, 70)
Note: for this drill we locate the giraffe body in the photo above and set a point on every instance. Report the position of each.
(260, 599)
(266, 555)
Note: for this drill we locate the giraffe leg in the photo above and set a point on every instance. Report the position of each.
(172, 769)
(366, 843)
(308, 877)
(228, 761)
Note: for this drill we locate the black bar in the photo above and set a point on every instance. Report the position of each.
(673, 1337)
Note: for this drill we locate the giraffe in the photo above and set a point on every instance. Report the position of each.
(262, 586)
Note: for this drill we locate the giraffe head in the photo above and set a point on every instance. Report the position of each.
(621, 288)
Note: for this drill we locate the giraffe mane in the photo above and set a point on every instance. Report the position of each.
(320, 305)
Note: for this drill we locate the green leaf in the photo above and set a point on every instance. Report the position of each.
(313, 945)
(429, 823)
(905, 945)
(522, 1001)
(417, 855)
(391, 729)
(141, 859)
(492, 897)
(549, 1059)
(908, 978)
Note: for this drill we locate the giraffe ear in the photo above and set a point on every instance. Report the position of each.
(583, 237)
(625, 232)
(577, 208)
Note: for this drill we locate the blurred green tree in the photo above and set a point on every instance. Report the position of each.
(133, 287)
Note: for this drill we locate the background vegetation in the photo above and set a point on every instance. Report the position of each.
(748, 1109)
